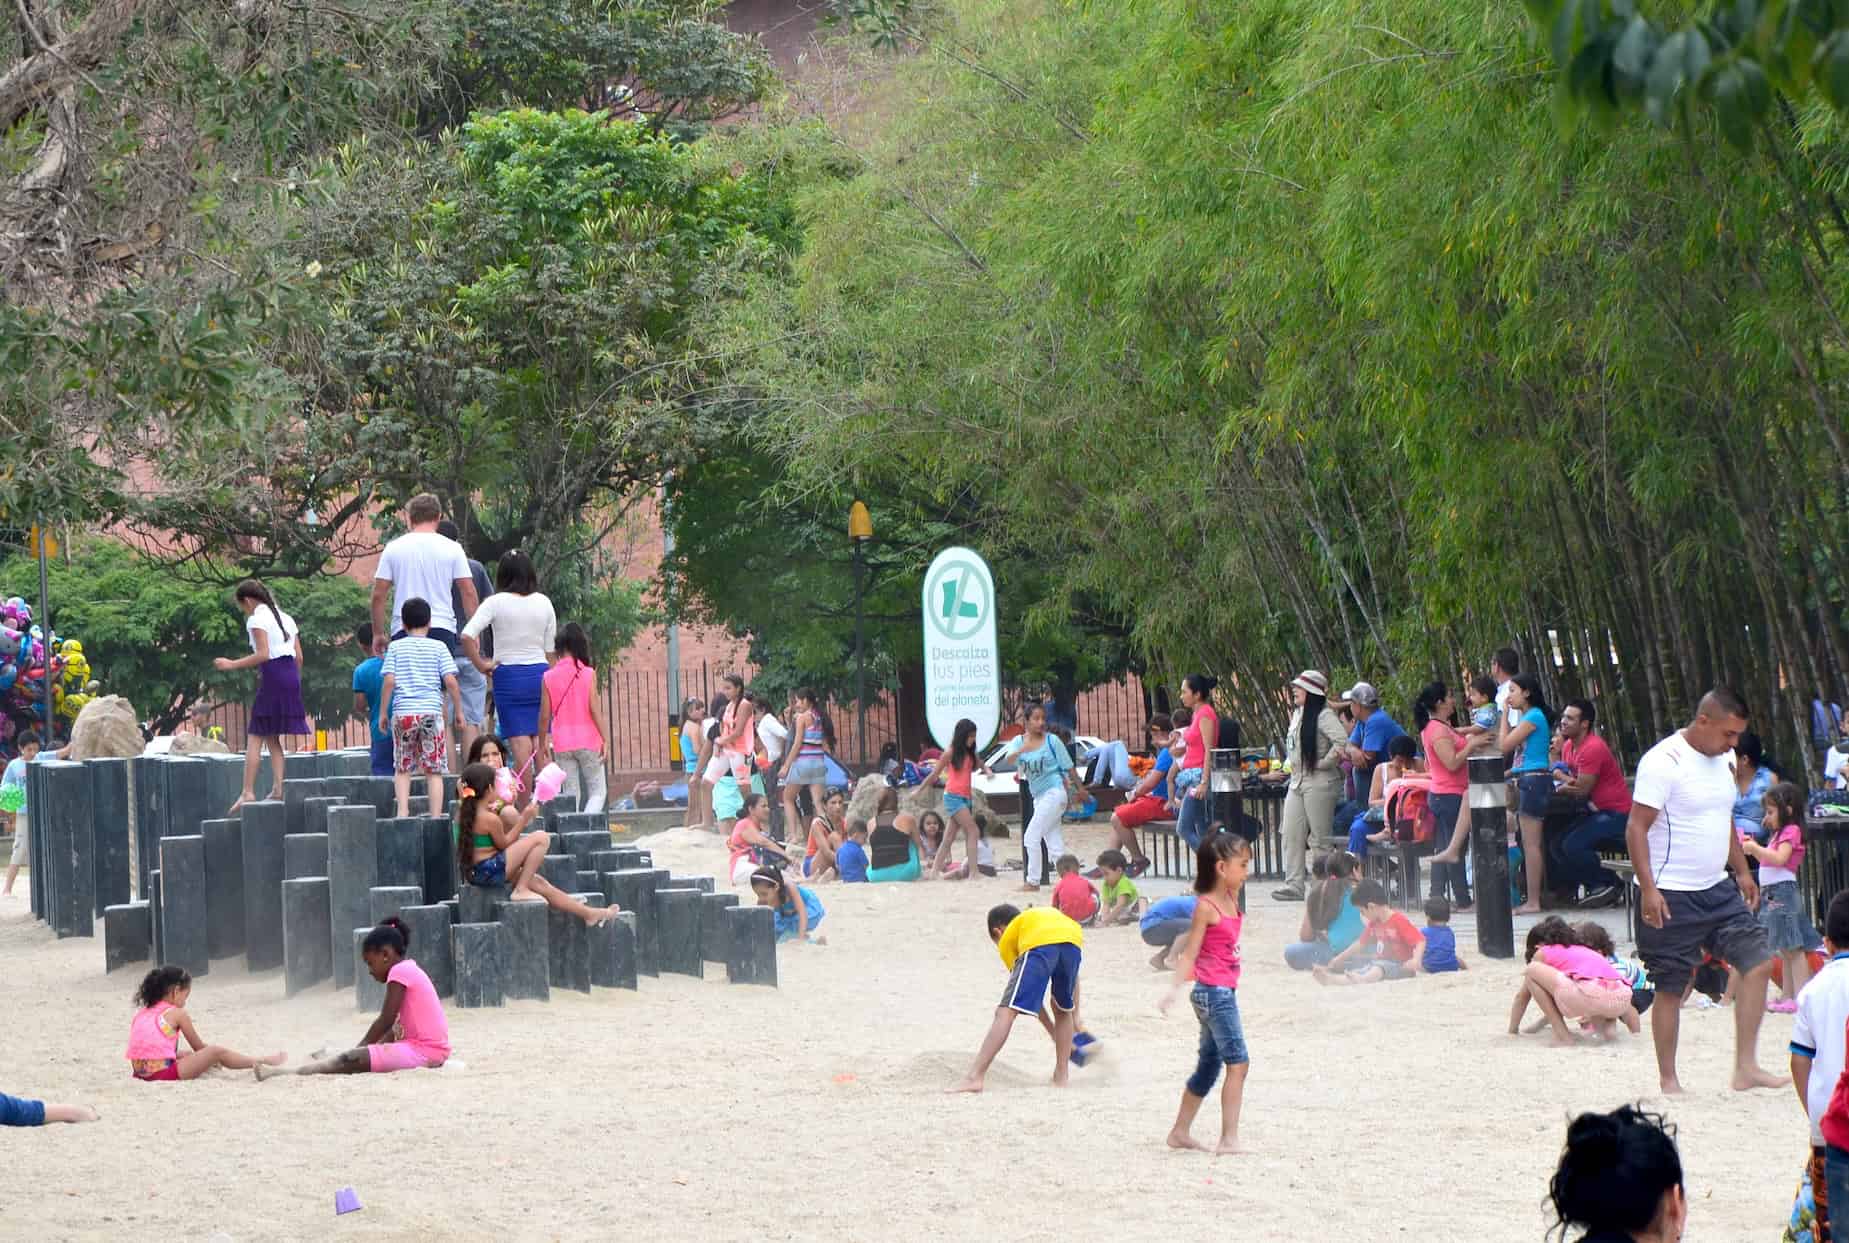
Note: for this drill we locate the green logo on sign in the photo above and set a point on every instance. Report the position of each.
(959, 600)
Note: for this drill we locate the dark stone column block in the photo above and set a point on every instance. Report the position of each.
(383, 795)
(477, 902)
(224, 782)
(627, 857)
(296, 791)
(613, 952)
(150, 815)
(401, 851)
(224, 886)
(568, 947)
(154, 912)
(714, 930)
(583, 845)
(111, 816)
(611, 860)
(307, 944)
(429, 929)
(529, 964)
(368, 993)
(561, 870)
(314, 811)
(304, 854)
(752, 956)
(590, 882)
(128, 934)
(189, 801)
(633, 890)
(265, 849)
(440, 878)
(352, 871)
(478, 952)
(63, 833)
(703, 883)
(388, 900)
(300, 766)
(184, 919)
(677, 931)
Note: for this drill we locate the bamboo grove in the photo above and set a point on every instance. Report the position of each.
(1304, 333)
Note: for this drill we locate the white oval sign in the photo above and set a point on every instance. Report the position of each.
(963, 675)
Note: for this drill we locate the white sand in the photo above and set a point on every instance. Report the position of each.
(814, 1111)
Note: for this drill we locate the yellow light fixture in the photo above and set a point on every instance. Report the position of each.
(859, 522)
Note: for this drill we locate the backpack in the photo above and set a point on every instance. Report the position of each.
(1409, 811)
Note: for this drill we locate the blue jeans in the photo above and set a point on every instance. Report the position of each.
(1448, 877)
(1223, 1040)
(381, 758)
(1836, 1176)
(1191, 825)
(1580, 850)
(1302, 955)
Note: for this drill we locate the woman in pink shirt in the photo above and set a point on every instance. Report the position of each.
(571, 724)
(411, 1031)
(1568, 980)
(1446, 756)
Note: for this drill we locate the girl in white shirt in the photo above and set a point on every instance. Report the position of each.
(276, 654)
(524, 641)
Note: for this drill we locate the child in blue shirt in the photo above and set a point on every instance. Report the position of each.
(851, 856)
(1440, 942)
(14, 785)
(1166, 925)
(368, 680)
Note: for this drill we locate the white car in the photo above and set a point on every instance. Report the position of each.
(1002, 784)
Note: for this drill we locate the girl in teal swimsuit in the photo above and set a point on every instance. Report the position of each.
(491, 850)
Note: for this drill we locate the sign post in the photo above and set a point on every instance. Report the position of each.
(962, 662)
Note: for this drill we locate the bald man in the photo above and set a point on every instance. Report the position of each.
(1682, 843)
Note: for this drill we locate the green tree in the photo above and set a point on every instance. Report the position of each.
(150, 636)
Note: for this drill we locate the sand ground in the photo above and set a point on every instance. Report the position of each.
(815, 1111)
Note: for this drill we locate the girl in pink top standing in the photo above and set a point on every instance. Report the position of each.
(1781, 907)
(1211, 959)
(1567, 980)
(154, 1033)
(571, 724)
(1447, 755)
(411, 1031)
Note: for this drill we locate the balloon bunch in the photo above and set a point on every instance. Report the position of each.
(28, 659)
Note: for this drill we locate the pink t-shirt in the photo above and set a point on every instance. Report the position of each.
(569, 686)
(1445, 780)
(1217, 963)
(420, 1018)
(1771, 873)
(1578, 962)
(1075, 897)
(150, 1037)
(1591, 755)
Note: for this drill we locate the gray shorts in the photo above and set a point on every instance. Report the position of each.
(1715, 920)
(473, 684)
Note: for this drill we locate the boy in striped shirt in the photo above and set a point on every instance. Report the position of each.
(419, 673)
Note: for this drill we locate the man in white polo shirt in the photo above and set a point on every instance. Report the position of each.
(422, 565)
(1682, 843)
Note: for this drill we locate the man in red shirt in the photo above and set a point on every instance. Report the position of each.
(1388, 949)
(1597, 778)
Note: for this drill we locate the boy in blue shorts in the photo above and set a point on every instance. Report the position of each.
(1040, 947)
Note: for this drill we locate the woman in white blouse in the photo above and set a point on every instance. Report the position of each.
(525, 629)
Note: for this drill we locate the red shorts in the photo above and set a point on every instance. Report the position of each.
(170, 1073)
(1141, 811)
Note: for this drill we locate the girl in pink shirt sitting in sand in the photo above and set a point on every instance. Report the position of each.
(154, 1033)
(1567, 980)
(410, 1032)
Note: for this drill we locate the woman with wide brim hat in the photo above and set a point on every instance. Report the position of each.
(1313, 746)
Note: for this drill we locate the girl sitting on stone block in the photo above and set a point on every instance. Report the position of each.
(490, 849)
(411, 1031)
(161, 1019)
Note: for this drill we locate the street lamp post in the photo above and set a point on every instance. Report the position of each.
(859, 531)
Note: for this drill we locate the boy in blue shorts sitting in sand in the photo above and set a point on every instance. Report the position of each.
(1040, 947)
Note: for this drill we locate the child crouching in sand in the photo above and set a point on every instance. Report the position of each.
(1211, 960)
(154, 1033)
(1387, 949)
(798, 910)
(1568, 980)
(411, 1031)
(1042, 950)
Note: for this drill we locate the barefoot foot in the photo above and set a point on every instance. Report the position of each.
(1230, 1148)
(1183, 1141)
(1527, 909)
(1672, 1087)
(1747, 1080)
(263, 1070)
(274, 1059)
(599, 915)
(968, 1085)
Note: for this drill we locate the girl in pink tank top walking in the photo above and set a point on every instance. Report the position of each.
(154, 1033)
(1211, 960)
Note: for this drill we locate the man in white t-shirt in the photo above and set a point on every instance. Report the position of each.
(773, 736)
(1682, 843)
(1503, 666)
(422, 565)
(1817, 1040)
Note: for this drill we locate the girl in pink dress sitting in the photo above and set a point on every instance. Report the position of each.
(161, 1019)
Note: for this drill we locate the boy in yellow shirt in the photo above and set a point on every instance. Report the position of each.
(1040, 948)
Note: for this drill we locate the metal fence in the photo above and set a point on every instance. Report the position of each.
(638, 706)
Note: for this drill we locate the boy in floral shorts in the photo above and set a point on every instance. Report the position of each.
(418, 673)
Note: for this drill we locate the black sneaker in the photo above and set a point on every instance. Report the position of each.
(1604, 896)
(1287, 894)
